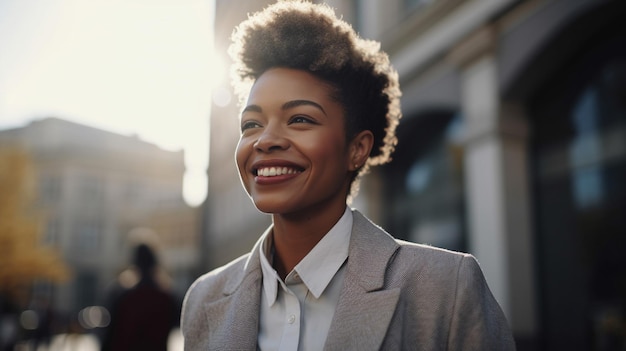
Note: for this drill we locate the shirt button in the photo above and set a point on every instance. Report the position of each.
(291, 319)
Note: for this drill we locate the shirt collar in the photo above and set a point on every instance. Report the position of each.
(270, 277)
(318, 267)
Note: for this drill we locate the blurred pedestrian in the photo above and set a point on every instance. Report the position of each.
(42, 332)
(142, 312)
(322, 108)
(9, 324)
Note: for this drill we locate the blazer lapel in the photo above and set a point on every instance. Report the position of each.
(233, 320)
(365, 308)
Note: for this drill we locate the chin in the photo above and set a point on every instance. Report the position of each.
(273, 207)
(269, 209)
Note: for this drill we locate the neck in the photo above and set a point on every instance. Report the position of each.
(296, 235)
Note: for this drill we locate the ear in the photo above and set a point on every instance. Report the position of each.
(360, 148)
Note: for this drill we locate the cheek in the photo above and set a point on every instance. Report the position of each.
(331, 149)
(241, 156)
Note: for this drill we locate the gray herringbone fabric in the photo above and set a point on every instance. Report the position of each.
(396, 296)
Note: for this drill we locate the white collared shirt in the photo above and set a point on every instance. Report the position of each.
(296, 314)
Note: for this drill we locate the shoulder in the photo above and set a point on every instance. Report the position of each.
(411, 262)
(446, 278)
(431, 265)
(213, 283)
(449, 287)
(211, 287)
(446, 289)
(436, 256)
(405, 254)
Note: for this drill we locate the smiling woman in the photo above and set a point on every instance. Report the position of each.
(323, 108)
(131, 67)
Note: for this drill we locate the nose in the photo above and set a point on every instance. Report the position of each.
(271, 139)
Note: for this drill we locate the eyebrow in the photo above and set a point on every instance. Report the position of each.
(295, 103)
(287, 105)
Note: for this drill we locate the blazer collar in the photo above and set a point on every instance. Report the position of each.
(371, 247)
(365, 308)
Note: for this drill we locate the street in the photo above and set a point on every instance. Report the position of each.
(88, 342)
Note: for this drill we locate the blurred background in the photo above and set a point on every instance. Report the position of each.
(118, 126)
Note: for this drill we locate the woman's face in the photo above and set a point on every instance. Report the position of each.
(293, 155)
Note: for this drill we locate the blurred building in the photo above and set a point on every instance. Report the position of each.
(512, 147)
(100, 193)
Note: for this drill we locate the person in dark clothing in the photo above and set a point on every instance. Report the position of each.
(143, 315)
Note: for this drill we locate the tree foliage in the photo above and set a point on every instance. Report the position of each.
(23, 257)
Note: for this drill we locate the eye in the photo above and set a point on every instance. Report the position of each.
(302, 119)
(245, 125)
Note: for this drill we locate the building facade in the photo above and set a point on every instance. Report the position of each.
(512, 147)
(100, 193)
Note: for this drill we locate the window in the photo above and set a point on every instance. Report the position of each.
(91, 187)
(579, 155)
(52, 232)
(49, 189)
(426, 182)
(87, 235)
(86, 290)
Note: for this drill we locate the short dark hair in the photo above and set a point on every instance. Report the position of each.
(310, 37)
(144, 258)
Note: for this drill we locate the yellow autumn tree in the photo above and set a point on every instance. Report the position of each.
(23, 257)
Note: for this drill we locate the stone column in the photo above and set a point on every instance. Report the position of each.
(497, 182)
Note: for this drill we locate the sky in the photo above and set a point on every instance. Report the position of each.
(134, 67)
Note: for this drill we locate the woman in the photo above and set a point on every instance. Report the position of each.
(322, 108)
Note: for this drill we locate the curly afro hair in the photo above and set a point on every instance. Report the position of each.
(306, 36)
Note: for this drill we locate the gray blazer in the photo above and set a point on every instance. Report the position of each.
(396, 296)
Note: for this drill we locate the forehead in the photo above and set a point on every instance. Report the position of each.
(286, 84)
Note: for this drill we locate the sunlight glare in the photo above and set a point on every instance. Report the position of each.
(143, 68)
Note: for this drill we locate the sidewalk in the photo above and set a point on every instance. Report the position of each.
(88, 342)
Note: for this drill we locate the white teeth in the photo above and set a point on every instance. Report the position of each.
(275, 171)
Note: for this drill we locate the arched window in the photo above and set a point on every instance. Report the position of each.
(425, 182)
(579, 162)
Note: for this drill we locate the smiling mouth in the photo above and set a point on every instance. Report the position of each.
(275, 171)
